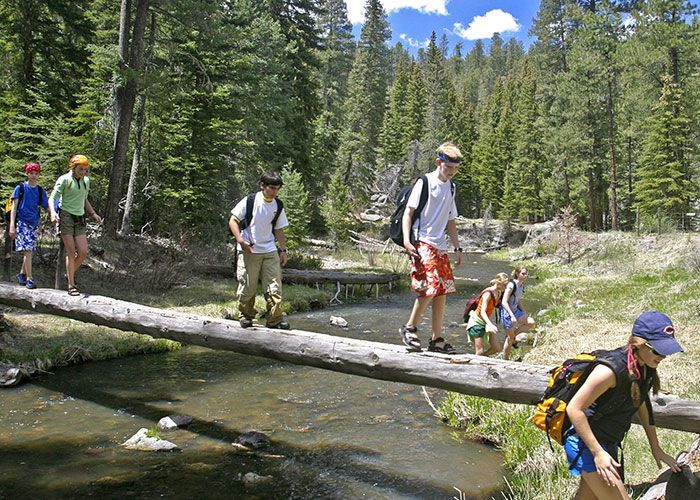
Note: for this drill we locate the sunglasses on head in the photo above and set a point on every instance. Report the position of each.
(654, 351)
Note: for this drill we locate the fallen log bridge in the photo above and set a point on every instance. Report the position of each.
(467, 374)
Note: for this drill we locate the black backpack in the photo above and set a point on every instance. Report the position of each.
(395, 227)
(248, 219)
(8, 204)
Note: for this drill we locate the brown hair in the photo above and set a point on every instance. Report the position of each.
(634, 343)
(516, 272)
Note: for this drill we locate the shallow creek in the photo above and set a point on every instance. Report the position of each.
(333, 435)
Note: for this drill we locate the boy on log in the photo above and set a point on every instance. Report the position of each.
(256, 222)
(425, 241)
(73, 188)
(23, 227)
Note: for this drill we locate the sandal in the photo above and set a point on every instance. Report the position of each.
(445, 348)
(409, 337)
(73, 291)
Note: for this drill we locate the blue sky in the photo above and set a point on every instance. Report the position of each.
(464, 21)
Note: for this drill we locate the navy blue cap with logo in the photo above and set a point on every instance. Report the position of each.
(658, 330)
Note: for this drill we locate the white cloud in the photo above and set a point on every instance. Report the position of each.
(494, 21)
(356, 8)
(414, 43)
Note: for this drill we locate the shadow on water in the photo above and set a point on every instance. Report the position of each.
(68, 463)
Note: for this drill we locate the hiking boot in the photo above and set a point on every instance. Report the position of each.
(282, 325)
(22, 279)
(445, 348)
(30, 283)
(246, 322)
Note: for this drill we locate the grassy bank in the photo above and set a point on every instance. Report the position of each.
(593, 302)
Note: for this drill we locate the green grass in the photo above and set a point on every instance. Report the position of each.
(592, 303)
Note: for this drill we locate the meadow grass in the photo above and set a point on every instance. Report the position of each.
(592, 303)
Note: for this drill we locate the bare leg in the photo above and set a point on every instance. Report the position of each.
(76, 251)
(479, 346)
(600, 490)
(69, 244)
(438, 314)
(419, 307)
(508, 345)
(81, 245)
(494, 347)
(27, 263)
(527, 324)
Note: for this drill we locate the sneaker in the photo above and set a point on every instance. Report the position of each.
(30, 283)
(246, 322)
(22, 279)
(282, 325)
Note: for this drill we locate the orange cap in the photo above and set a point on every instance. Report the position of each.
(76, 160)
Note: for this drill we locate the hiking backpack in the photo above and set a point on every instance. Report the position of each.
(8, 203)
(396, 227)
(473, 303)
(564, 381)
(248, 218)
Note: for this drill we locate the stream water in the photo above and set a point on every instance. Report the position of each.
(333, 435)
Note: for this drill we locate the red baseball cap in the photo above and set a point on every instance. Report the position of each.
(32, 167)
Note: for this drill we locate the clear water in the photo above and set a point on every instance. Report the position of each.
(333, 435)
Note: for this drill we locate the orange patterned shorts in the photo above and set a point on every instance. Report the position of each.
(431, 276)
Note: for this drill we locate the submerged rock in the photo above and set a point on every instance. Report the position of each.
(253, 439)
(140, 441)
(251, 479)
(172, 422)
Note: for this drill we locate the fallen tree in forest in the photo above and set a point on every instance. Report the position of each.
(507, 381)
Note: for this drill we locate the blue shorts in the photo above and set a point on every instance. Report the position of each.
(584, 463)
(505, 317)
(26, 237)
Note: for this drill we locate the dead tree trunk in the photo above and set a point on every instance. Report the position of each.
(125, 99)
(467, 374)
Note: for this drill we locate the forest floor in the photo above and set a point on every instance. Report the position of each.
(595, 285)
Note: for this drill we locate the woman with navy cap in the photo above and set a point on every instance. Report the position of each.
(601, 411)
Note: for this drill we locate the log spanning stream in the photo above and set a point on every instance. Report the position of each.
(507, 381)
(333, 435)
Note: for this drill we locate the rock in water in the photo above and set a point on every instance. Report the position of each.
(338, 321)
(140, 441)
(251, 479)
(172, 422)
(253, 439)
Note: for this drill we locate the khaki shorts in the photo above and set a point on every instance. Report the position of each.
(72, 225)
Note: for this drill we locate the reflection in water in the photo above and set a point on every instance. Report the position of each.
(333, 435)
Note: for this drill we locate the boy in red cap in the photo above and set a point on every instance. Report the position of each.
(27, 198)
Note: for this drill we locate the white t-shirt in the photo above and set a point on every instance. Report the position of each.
(440, 208)
(259, 233)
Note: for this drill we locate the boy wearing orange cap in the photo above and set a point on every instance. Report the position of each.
(73, 188)
(27, 198)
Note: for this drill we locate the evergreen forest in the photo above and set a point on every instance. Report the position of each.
(181, 104)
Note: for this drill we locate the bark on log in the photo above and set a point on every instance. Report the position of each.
(467, 374)
(307, 277)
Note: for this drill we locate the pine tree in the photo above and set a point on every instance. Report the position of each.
(364, 110)
(335, 60)
(296, 207)
(664, 178)
(337, 208)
